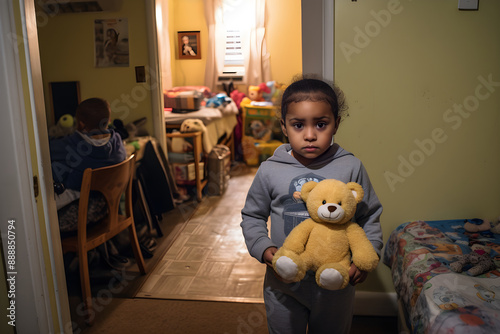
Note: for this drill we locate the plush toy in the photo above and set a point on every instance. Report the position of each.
(479, 261)
(260, 131)
(237, 97)
(194, 125)
(324, 243)
(64, 126)
(255, 94)
(217, 101)
(471, 227)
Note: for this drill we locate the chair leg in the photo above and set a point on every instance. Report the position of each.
(85, 283)
(134, 241)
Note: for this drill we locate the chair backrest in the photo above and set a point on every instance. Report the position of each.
(112, 182)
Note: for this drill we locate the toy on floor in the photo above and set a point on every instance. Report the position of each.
(479, 260)
(324, 243)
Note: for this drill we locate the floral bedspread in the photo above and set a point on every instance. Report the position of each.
(436, 299)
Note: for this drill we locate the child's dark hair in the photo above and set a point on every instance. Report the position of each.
(94, 113)
(312, 89)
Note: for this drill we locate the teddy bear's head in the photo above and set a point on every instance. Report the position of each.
(192, 125)
(331, 201)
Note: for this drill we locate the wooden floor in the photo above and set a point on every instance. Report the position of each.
(200, 272)
(209, 260)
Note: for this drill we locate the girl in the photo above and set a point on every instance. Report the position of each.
(311, 111)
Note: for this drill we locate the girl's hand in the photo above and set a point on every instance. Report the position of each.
(356, 276)
(268, 260)
(268, 256)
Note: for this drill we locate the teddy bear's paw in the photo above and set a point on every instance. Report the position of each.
(331, 279)
(367, 263)
(286, 268)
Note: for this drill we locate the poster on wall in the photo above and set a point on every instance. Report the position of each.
(111, 42)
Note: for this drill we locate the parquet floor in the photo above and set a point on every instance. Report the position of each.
(209, 261)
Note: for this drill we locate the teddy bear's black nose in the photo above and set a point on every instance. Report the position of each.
(332, 208)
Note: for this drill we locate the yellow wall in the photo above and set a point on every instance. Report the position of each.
(283, 40)
(188, 15)
(67, 54)
(411, 65)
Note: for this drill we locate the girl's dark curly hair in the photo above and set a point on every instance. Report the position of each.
(313, 89)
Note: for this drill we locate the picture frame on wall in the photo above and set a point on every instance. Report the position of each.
(189, 44)
(111, 42)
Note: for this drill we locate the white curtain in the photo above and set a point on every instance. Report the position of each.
(164, 43)
(253, 38)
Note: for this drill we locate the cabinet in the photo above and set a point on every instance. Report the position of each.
(199, 181)
(261, 133)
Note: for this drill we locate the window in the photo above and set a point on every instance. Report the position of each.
(234, 62)
(238, 52)
(233, 55)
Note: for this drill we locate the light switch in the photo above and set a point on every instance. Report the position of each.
(468, 4)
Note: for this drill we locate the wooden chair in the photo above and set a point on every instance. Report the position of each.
(112, 182)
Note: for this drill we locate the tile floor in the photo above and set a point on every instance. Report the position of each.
(209, 260)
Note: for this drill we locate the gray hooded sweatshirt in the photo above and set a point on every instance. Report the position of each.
(271, 194)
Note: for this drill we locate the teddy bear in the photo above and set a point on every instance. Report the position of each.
(479, 261)
(195, 125)
(328, 241)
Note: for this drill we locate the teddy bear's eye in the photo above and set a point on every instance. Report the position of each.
(324, 202)
(340, 203)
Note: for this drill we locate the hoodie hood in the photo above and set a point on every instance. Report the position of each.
(282, 155)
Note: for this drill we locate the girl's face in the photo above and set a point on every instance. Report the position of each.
(309, 126)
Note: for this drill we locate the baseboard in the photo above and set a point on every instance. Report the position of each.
(383, 304)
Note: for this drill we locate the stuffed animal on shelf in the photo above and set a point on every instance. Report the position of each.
(194, 125)
(479, 261)
(65, 126)
(260, 131)
(324, 243)
(255, 94)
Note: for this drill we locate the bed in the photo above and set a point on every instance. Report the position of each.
(219, 123)
(433, 298)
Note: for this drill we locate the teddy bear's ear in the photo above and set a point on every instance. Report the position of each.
(306, 189)
(357, 191)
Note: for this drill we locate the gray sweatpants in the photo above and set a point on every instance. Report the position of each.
(304, 307)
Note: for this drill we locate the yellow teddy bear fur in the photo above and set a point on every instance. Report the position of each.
(328, 241)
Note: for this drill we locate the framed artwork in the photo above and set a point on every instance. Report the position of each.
(111, 42)
(189, 44)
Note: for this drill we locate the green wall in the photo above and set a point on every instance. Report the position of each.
(67, 54)
(422, 119)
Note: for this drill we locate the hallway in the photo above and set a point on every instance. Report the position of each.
(204, 281)
(209, 260)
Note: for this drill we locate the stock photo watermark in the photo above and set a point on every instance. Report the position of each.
(11, 272)
(453, 118)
